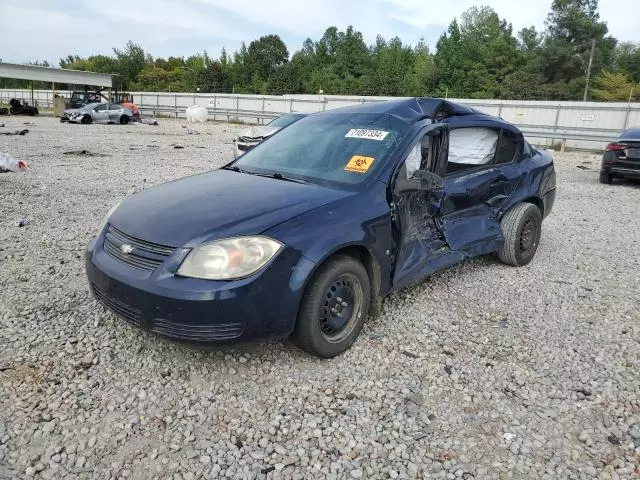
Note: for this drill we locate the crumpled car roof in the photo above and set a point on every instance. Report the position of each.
(412, 109)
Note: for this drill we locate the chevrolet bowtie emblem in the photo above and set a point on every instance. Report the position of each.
(126, 248)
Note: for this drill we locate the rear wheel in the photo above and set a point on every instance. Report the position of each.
(334, 307)
(124, 119)
(606, 178)
(521, 228)
(86, 119)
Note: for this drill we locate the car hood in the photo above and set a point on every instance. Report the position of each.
(259, 131)
(214, 205)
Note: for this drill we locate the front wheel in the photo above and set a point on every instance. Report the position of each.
(334, 307)
(124, 119)
(521, 228)
(86, 119)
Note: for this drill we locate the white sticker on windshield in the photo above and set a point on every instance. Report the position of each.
(378, 135)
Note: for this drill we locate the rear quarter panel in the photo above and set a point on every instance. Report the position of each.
(538, 183)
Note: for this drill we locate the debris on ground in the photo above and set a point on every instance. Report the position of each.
(191, 131)
(582, 167)
(10, 164)
(17, 132)
(85, 153)
(410, 354)
(21, 222)
(149, 121)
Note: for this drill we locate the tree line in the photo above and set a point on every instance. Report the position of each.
(479, 56)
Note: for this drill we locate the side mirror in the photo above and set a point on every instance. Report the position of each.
(428, 180)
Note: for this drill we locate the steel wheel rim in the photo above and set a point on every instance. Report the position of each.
(527, 239)
(341, 308)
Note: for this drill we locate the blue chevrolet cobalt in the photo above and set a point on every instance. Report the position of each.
(304, 235)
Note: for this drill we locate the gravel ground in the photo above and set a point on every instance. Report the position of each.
(483, 371)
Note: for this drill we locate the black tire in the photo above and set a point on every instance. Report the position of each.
(124, 119)
(86, 120)
(521, 228)
(321, 329)
(606, 178)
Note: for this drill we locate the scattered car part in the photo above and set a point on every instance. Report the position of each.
(305, 233)
(21, 108)
(621, 158)
(10, 164)
(21, 222)
(17, 132)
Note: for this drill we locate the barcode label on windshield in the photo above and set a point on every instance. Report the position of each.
(378, 135)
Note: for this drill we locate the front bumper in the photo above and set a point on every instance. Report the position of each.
(200, 311)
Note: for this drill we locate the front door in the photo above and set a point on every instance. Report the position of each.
(417, 191)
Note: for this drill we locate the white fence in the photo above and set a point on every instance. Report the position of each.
(581, 125)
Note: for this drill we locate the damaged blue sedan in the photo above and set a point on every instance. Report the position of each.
(305, 234)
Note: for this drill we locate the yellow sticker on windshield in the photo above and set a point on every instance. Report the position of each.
(359, 164)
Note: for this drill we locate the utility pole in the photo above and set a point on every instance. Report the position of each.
(593, 51)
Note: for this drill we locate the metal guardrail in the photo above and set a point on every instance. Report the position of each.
(553, 131)
(532, 131)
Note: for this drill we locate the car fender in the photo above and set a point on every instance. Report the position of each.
(361, 220)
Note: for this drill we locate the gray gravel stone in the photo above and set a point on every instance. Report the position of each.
(483, 371)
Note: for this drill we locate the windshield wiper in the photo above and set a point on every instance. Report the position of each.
(279, 176)
(276, 175)
(237, 169)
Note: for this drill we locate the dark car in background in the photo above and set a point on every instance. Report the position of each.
(250, 137)
(621, 158)
(305, 233)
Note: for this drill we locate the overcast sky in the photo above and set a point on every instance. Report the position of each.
(45, 29)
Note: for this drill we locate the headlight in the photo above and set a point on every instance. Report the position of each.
(106, 218)
(229, 259)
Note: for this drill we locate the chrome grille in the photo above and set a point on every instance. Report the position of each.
(121, 309)
(144, 255)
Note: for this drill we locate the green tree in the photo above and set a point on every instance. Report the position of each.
(130, 62)
(419, 79)
(572, 25)
(392, 62)
(476, 55)
(627, 59)
(615, 87)
(266, 55)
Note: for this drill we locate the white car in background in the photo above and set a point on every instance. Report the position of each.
(250, 137)
(98, 113)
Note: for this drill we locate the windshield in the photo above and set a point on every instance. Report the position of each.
(340, 148)
(285, 120)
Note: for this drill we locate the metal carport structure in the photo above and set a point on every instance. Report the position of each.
(55, 75)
